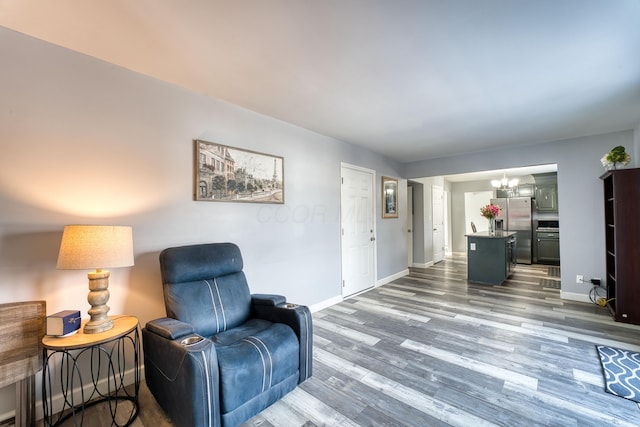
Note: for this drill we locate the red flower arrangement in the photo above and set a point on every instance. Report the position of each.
(490, 211)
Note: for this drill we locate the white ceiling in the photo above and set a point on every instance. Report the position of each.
(411, 79)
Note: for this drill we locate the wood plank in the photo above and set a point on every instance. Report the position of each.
(22, 327)
(512, 355)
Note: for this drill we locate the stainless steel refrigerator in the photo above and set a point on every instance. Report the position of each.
(516, 216)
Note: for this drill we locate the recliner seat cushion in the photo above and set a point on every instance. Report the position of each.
(253, 358)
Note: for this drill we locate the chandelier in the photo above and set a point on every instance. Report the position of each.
(504, 182)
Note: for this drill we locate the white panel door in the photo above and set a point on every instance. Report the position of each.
(437, 203)
(358, 236)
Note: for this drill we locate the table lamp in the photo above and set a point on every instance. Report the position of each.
(84, 247)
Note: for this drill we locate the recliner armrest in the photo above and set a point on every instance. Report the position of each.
(298, 318)
(178, 362)
(267, 299)
(168, 328)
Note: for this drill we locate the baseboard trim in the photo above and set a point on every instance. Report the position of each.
(326, 303)
(339, 298)
(7, 417)
(422, 265)
(391, 278)
(574, 296)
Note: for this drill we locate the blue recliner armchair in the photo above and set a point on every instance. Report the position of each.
(221, 355)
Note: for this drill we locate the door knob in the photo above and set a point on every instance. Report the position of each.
(373, 238)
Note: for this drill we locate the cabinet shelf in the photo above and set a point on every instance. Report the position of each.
(622, 240)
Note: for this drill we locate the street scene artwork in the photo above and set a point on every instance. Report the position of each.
(230, 174)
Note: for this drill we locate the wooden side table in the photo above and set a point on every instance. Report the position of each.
(21, 331)
(107, 356)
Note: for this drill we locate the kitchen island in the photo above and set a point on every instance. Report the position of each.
(490, 257)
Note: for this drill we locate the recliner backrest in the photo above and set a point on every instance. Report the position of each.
(204, 285)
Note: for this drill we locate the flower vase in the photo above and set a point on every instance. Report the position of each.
(492, 226)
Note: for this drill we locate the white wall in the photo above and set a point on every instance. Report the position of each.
(84, 141)
(579, 187)
(459, 223)
(473, 202)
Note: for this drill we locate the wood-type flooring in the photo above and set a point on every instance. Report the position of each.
(431, 349)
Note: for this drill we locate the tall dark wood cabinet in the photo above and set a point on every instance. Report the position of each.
(622, 239)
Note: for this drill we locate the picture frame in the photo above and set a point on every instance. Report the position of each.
(230, 174)
(389, 197)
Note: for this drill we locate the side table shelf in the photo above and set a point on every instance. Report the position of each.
(83, 370)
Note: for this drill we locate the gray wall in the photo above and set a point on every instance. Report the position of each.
(636, 143)
(84, 141)
(391, 238)
(580, 189)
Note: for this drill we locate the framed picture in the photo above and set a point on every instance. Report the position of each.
(389, 197)
(230, 174)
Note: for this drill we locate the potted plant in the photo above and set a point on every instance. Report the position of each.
(615, 156)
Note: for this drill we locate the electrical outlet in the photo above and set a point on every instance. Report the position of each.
(579, 278)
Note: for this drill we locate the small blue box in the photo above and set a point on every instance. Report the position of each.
(63, 323)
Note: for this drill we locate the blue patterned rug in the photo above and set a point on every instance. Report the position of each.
(621, 372)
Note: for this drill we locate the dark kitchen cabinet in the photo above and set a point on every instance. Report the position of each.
(548, 247)
(490, 258)
(547, 198)
(622, 241)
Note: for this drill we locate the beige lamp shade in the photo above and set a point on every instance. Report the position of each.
(86, 247)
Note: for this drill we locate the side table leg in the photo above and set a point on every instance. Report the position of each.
(26, 402)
